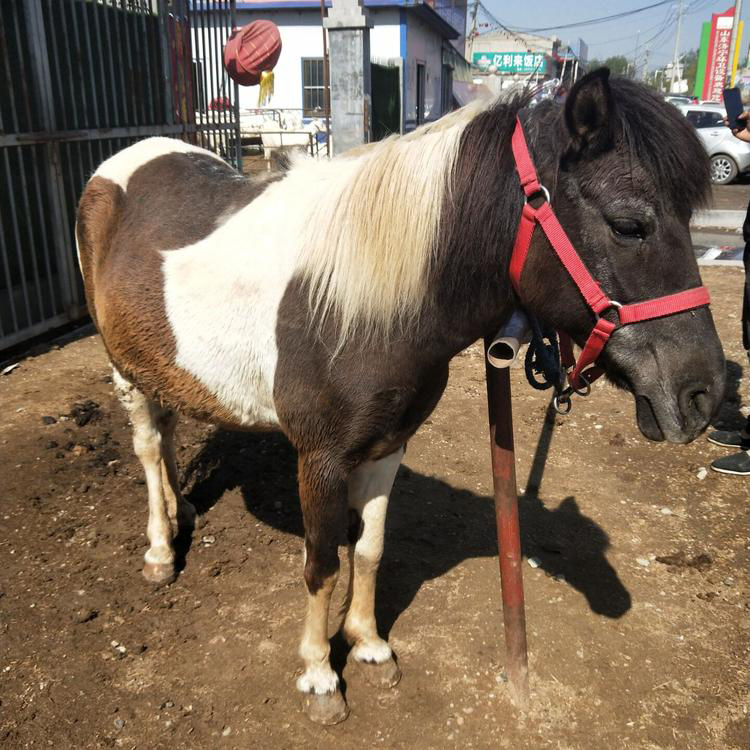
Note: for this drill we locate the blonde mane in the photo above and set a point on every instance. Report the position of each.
(373, 231)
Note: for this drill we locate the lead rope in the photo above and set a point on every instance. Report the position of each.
(545, 369)
(542, 357)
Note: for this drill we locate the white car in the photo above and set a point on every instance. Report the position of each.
(729, 155)
(677, 100)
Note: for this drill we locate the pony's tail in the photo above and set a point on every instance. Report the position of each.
(97, 218)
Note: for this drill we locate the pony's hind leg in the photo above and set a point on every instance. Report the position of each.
(147, 442)
(322, 496)
(369, 487)
(181, 512)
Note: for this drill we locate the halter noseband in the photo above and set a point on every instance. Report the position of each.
(596, 299)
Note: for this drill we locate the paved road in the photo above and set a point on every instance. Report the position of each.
(716, 248)
(713, 247)
(732, 197)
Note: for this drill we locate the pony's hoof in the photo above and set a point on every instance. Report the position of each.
(384, 675)
(160, 574)
(327, 709)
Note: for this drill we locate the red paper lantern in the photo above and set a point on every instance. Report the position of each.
(251, 50)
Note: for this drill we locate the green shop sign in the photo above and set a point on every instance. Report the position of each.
(510, 62)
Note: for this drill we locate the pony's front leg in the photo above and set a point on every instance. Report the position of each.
(369, 487)
(322, 495)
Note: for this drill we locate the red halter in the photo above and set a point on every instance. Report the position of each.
(596, 299)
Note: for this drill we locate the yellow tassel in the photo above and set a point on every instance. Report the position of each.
(266, 88)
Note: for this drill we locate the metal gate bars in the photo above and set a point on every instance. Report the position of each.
(80, 80)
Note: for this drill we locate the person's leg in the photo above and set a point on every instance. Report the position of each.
(746, 301)
(739, 438)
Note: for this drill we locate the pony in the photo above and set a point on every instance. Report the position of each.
(328, 300)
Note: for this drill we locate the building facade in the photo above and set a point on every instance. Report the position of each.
(501, 59)
(410, 46)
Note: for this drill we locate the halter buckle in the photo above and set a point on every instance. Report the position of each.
(538, 193)
(612, 304)
(562, 403)
(584, 390)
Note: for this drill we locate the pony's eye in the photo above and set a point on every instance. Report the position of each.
(628, 229)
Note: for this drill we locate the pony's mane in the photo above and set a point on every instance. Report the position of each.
(373, 231)
(665, 144)
(372, 240)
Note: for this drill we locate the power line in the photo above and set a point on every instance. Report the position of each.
(498, 24)
(601, 19)
(660, 29)
(695, 6)
(659, 23)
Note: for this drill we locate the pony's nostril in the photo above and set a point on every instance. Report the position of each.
(700, 403)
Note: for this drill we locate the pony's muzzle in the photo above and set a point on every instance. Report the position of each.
(682, 417)
(697, 406)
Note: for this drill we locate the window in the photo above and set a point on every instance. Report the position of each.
(313, 92)
(702, 119)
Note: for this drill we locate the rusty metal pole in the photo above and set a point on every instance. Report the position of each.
(508, 530)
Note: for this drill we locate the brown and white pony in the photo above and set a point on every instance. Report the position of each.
(328, 301)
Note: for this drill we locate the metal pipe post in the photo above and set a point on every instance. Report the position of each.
(508, 531)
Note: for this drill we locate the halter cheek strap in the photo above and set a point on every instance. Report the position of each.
(597, 300)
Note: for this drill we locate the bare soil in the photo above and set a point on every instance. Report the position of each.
(638, 614)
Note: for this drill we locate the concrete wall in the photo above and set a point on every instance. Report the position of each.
(423, 46)
(385, 35)
(301, 36)
(398, 37)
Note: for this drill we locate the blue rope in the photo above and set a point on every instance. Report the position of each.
(542, 357)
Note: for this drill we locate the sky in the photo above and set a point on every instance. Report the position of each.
(657, 26)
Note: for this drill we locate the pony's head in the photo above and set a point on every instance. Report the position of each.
(625, 173)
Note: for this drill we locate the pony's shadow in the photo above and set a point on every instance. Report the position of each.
(431, 526)
(729, 416)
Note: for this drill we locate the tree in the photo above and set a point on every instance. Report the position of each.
(690, 68)
(618, 65)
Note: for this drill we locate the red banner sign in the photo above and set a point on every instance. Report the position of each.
(717, 65)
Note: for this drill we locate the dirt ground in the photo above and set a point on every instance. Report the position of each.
(638, 615)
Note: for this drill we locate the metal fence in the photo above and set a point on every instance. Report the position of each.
(80, 80)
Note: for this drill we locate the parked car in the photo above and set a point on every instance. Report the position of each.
(729, 155)
(677, 100)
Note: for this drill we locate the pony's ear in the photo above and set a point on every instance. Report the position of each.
(590, 113)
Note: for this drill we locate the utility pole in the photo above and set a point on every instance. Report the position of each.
(565, 62)
(472, 30)
(635, 55)
(735, 36)
(675, 58)
(644, 76)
